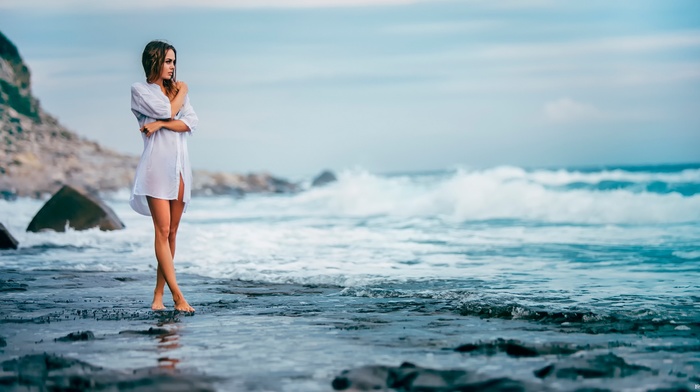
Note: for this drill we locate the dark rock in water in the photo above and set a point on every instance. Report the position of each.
(10, 285)
(515, 348)
(324, 178)
(600, 366)
(7, 195)
(48, 372)
(3, 342)
(125, 279)
(34, 369)
(77, 337)
(411, 378)
(81, 210)
(7, 241)
(151, 332)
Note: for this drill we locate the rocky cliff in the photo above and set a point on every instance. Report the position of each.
(38, 155)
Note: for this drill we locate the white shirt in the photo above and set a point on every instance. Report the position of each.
(165, 155)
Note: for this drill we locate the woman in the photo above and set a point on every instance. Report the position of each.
(163, 181)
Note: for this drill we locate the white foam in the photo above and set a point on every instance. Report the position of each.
(690, 255)
(366, 229)
(501, 193)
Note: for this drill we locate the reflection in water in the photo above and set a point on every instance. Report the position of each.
(168, 341)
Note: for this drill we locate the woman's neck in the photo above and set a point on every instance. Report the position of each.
(160, 83)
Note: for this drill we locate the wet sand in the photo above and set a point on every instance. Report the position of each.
(95, 330)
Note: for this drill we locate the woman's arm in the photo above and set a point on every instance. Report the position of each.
(144, 102)
(179, 100)
(171, 125)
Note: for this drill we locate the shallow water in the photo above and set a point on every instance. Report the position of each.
(596, 256)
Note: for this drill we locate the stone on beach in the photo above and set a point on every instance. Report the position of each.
(585, 366)
(7, 241)
(56, 373)
(81, 336)
(76, 209)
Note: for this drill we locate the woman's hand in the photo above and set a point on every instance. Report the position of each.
(181, 87)
(151, 128)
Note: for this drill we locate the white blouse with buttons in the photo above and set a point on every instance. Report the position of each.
(165, 156)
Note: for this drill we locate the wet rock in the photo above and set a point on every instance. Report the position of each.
(79, 210)
(5, 194)
(365, 378)
(125, 279)
(7, 241)
(600, 366)
(150, 332)
(515, 348)
(411, 378)
(54, 373)
(3, 342)
(326, 177)
(11, 285)
(77, 337)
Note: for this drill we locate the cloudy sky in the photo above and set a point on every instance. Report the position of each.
(295, 86)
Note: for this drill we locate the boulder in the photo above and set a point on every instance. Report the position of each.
(50, 372)
(7, 241)
(78, 209)
(411, 378)
(324, 178)
(600, 366)
(80, 336)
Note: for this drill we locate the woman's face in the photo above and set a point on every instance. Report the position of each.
(168, 65)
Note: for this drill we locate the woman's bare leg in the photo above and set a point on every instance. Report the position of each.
(177, 207)
(158, 292)
(160, 279)
(161, 213)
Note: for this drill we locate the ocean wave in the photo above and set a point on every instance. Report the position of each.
(499, 193)
(688, 255)
(661, 315)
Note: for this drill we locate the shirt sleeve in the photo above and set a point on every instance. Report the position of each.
(188, 116)
(143, 101)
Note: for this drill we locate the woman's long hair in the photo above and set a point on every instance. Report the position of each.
(153, 58)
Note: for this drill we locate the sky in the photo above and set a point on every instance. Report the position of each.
(293, 87)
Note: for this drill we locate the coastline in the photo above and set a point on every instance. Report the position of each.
(291, 337)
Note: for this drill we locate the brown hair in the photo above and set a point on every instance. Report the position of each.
(153, 58)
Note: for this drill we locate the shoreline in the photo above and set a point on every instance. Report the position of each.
(290, 337)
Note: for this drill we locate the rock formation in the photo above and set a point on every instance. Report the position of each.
(326, 177)
(38, 155)
(80, 211)
(7, 241)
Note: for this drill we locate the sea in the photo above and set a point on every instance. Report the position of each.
(608, 251)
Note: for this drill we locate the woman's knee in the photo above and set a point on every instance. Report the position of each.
(163, 231)
(172, 233)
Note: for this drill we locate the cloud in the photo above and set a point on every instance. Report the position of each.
(158, 4)
(444, 27)
(622, 45)
(567, 111)
(169, 4)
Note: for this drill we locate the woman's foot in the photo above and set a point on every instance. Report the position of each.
(157, 302)
(182, 305)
